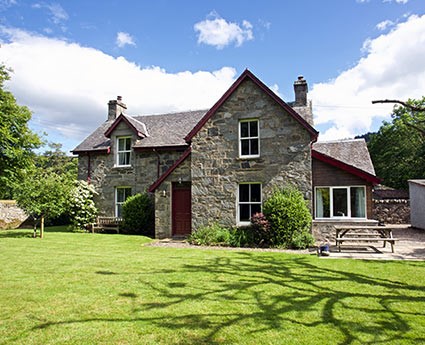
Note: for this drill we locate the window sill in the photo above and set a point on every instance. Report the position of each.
(123, 167)
(244, 158)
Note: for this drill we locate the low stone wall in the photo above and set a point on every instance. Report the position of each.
(11, 216)
(393, 211)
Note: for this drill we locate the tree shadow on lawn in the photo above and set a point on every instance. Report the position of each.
(268, 293)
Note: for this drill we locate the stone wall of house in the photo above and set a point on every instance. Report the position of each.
(392, 211)
(105, 176)
(217, 170)
(11, 216)
(163, 198)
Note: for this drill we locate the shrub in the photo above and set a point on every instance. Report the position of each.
(289, 218)
(82, 209)
(242, 237)
(138, 215)
(211, 235)
(260, 230)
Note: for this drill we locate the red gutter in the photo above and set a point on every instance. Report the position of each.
(248, 74)
(158, 182)
(346, 167)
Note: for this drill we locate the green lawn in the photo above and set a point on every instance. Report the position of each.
(79, 288)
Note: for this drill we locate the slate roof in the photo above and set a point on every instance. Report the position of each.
(352, 152)
(162, 131)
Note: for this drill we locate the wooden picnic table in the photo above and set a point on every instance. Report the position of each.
(358, 233)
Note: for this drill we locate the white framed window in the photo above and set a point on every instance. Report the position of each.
(121, 195)
(249, 138)
(249, 201)
(123, 151)
(340, 202)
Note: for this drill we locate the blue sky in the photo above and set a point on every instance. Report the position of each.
(71, 57)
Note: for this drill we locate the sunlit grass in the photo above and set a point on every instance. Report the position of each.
(80, 288)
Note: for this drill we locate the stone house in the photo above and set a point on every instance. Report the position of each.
(219, 164)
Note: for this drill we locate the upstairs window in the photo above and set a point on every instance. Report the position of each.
(249, 201)
(249, 139)
(121, 195)
(123, 151)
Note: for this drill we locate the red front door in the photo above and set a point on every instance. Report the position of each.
(182, 209)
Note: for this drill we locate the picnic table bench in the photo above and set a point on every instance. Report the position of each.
(356, 233)
(106, 224)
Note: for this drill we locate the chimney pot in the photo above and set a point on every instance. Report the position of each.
(119, 98)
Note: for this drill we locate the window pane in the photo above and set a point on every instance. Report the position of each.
(254, 147)
(244, 192)
(244, 213)
(255, 208)
(119, 210)
(244, 129)
(323, 203)
(120, 194)
(245, 147)
(255, 192)
(358, 202)
(253, 129)
(340, 207)
(127, 144)
(121, 144)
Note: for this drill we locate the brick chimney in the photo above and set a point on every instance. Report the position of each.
(301, 89)
(115, 108)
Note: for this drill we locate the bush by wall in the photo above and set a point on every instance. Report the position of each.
(138, 215)
(290, 219)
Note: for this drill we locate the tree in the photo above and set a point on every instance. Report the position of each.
(44, 194)
(398, 148)
(17, 141)
(56, 160)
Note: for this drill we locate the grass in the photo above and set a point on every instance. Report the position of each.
(79, 288)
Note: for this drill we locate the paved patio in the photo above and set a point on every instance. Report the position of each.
(410, 246)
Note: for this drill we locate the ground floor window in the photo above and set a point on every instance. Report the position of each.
(340, 202)
(121, 195)
(249, 201)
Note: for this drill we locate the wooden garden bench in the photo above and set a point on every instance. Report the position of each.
(106, 224)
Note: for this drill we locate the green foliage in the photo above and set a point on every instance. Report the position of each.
(243, 236)
(211, 235)
(44, 193)
(289, 218)
(58, 161)
(398, 148)
(16, 140)
(82, 208)
(138, 215)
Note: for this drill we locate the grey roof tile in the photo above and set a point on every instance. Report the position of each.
(166, 130)
(353, 152)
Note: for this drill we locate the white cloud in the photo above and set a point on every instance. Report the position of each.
(123, 39)
(384, 25)
(57, 13)
(5, 4)
(69, 96)
(393, 68)
(219, 33)
(397, 1)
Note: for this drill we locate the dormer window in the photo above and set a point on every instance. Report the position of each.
(123, 151)
(249, 139)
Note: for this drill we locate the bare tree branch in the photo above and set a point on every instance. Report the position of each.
(404, 104)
